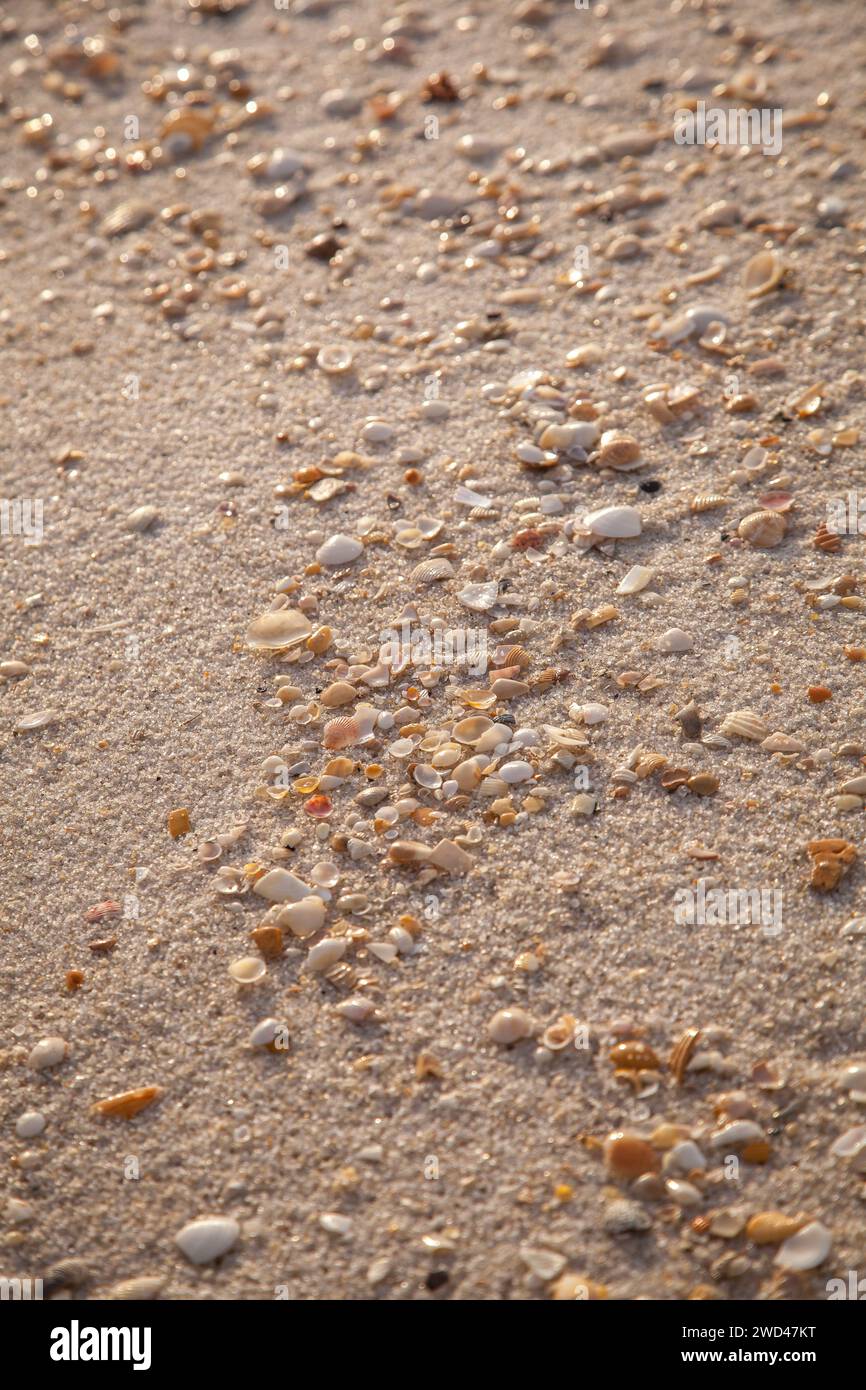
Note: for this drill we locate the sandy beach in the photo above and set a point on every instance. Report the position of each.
(431, 540)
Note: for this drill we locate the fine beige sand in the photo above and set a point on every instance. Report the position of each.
(490, 1170)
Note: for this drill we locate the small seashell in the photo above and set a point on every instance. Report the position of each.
(141, 519)
(807, 1249)
(248, 970)
(326, 953)
(303, 918)
(737, 1134)
(616, 450)
(744, 723)
(271, 1034)
(431, 571)
(635, 580)
(340, 733)
(208, 1238)
(142, 1289)
(479, 597)
(284, 627)
(763, 273)
(39, 719)
(185, 128)
(128, 1103)
(127, 217)
(707, 502)
(470, 730)
(559, 1034)
(682, 1054)
(783, 743)
(339, 550)
(826, 540)
(340, 693)
(764, 530)
(628, 1156)
(634, 1056)
(850, 1144)
(773, 1227)
(357, 1009)
(509, 1026)
(48, 1052)
(280, 886)
(777, 501)
(615, 523)
(675, 640)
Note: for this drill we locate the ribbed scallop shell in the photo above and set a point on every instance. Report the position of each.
(340, 733)
(764, 530)
(516, 656)
(745, 724)
(431, 571)
(126, 217)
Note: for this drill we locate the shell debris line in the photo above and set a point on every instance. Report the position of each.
(431, 683)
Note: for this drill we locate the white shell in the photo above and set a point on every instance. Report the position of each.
(37, 720)
(248, 970)
(339, 550)
(205, 1240)
(303, 918)
(269, 1032)
(617, 523)
(279, 886)
(848, 1144)
(516, 772)
(807, 1249)
(48, 1052)
(675, 640)
(480, 597)
(509, 1025)
(737, 1133)
(636, 579)
(326, 953)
